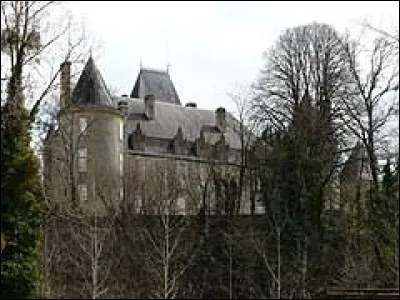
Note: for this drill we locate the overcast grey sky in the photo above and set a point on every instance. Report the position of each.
(211, 46)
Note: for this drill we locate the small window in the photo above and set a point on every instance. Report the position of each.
(121, 131)
(121, 193)
(181, 206)
(260, 209)
(121, 164)
(94, 189)
(139, 204)
(82, 125)
(82, 160)
(82, 192)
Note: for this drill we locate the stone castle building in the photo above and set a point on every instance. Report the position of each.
(150, 153)
(146, 151)
(147, 154)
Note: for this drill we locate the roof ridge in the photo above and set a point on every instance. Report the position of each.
(154, 70)
(164, 103)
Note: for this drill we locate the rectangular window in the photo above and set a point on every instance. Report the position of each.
(181, 206)
(259, 209)
(82, 192)
(121, 164)
(121, 131)
(82, 160)
(82, 125)
(121, 193)
(138, 204)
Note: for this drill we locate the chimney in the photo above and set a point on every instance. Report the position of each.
(220, 119)
(65, 92)
(149, 109)
(191, 104)
(123, 107)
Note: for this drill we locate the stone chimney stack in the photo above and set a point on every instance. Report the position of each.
(149, 108)
(123, 107)
(191, 104)
(220, 119)
(65, 92)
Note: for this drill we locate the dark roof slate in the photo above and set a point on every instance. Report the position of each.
(169, 117)
(157, 83)
(91, 88)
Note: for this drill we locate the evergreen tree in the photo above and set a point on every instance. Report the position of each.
(20, 196)
(384, 225)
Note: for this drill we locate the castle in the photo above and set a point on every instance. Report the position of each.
(147, 157)
(150, 154)
(106, 149)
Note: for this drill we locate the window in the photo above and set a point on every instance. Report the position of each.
(82, 160)
(259, 209)
(139, 204)
(181, 206)
(121, 131)
(82, 192)
(121, 193)
(82, 125)
(121, 164)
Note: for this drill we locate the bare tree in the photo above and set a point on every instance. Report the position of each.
(246, 127)
(79, 230)
(168, 244)
(80, 224)
(32, 38)
(297, 100)
(370, 107)
(305, 60)
(391, 35)
(79, 252)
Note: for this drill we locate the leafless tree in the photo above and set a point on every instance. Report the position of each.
(36, 36)
(164, 225)
(305, 60)
(79, 252)
(247, 128)
(371, 106)
(391, 35)
(297, 98)
(31, 38)
(79, 229)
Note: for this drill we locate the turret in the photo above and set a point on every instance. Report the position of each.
(98, 134)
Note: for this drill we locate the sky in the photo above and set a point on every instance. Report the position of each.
(211, 47)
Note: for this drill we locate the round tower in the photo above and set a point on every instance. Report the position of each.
(96, 142)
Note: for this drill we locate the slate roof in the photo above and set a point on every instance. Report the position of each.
(169, 113)
(168, 118)
(157, 83)
(91, 88)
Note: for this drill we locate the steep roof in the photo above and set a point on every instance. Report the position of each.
(157, 83)
(169, 117)
(91, 88)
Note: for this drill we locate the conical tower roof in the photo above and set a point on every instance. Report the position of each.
(91, 88)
